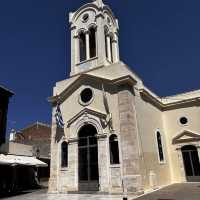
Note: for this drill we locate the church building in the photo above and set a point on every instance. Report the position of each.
(118, 136)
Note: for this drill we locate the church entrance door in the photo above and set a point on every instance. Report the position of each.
(88, 159)
(191, 163)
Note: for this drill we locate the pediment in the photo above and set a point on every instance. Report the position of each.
(85, 114)
(186, 136)
(101, 75)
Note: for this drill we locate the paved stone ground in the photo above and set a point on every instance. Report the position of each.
(42, 195)
(185, 191)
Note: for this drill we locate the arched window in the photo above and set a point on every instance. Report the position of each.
(64, 154)
(92, 32)
(160, 147)
(114, 149)
(82, 46)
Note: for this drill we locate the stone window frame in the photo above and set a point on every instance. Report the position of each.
(91, 100)
(119, 158)
(61, 143)
(183, 125)
(161, 162)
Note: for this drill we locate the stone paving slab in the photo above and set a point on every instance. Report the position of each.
(184, 191)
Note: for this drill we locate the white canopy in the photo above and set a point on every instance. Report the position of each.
(20, 160)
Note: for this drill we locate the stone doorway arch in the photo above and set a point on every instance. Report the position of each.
(88, 169)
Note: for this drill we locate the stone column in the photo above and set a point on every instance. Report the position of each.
(198, 150)
(115, 46)
(182, 168)
(77, 50)
(72, 175)
(87, 45)
(132, 180)
(103, 163)
(73, 52)
(100, 37)
(108, 47)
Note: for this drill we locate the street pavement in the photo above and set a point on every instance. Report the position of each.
(186, 191)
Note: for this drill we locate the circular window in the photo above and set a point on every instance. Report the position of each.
(85, 17)
(86, 96)
(183, 120)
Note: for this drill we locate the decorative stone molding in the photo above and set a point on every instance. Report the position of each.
(185, 137)
(85, 114)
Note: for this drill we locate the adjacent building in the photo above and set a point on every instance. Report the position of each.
(19, 168)
(5, 95)
(118, 136)
(38, 136)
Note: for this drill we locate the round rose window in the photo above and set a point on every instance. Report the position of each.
(86, 96)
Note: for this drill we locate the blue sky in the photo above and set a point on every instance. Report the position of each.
(159, 39)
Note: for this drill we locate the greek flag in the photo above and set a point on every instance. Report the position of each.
(58, 116)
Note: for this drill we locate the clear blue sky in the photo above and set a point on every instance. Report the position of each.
(159, 39)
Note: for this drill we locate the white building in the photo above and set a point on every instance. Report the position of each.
(118, 135)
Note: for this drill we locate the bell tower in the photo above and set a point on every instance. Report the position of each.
(94, 37)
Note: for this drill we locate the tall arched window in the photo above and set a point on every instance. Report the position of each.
(160, 147)
(114, 149)
(64, 154)
(92, 32)
(82, 46)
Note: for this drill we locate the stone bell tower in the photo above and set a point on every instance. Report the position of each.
(94, 37)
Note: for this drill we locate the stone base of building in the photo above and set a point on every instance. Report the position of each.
(133, 184)
(52, 186)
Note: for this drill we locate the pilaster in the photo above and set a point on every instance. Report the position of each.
(132, 180)
(103, 164)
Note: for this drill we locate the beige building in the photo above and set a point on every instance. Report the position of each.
(118, 136)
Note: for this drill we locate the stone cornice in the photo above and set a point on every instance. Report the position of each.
(162, 105)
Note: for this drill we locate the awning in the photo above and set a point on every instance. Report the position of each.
(20, 160)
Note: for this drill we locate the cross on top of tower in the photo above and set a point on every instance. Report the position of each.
(99, 2)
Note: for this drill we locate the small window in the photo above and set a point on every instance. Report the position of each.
(86, 96)
(160, 147)
(85, 18)
(114, 150)
(64, 154)
(183, 120)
